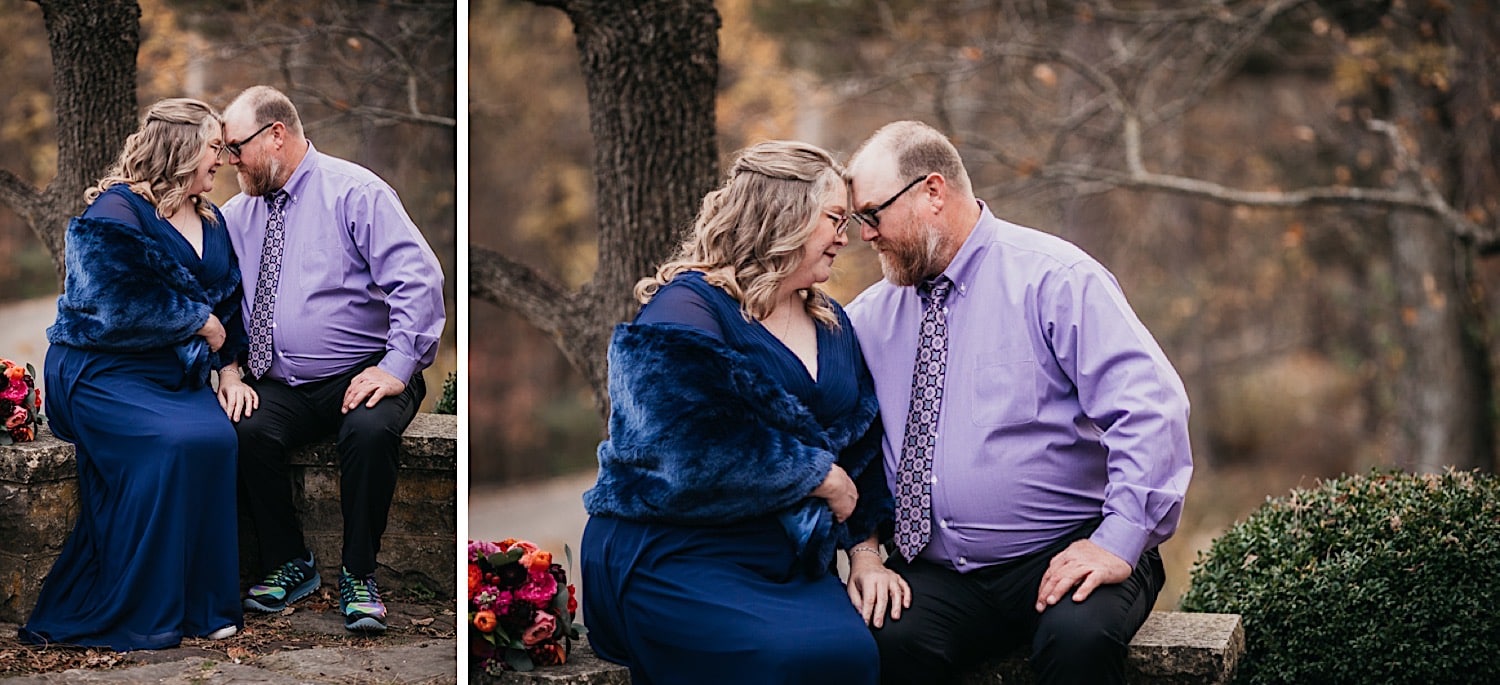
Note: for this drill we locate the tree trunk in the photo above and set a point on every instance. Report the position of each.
(1444, 385)
(94, 45)
(651, 67)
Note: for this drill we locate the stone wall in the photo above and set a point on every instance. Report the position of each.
(39, 502)
(1172, 648)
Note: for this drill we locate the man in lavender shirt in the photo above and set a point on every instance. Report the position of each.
(1060, 456)
(345, 311)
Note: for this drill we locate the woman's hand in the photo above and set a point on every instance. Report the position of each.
(840, 492)
(213, 331)
(875, 589)
(236, 397)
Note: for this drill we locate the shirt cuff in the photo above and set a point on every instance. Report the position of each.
(1120, 538)
(399, 365)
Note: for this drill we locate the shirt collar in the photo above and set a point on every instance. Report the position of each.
(298, 179)
(965, 265)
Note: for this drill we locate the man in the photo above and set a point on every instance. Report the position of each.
(1038, 449)
(345, 306)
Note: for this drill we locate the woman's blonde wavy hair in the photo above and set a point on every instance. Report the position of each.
(750, 232)
(160, 158)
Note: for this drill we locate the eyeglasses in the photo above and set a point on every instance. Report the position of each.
(840, 221)
(235, 148)
(871, 218)
(218, 150)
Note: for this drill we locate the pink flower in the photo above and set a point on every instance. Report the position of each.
(539, 590)
(479, 549)
(541, 629)
(18, 416)
(16, 391)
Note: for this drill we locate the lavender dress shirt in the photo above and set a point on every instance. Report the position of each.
(1058, 406)
(357, 277)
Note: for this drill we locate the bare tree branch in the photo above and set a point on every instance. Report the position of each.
(504, 282)
(16, 193)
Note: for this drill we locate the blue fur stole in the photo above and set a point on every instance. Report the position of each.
(125, 293)
(698, 436)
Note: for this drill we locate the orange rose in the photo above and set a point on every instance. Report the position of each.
(541, 559)
(13, 372)
(476, 576)
(485, 621)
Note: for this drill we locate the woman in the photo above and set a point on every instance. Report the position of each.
(151, 305)
(742, 450)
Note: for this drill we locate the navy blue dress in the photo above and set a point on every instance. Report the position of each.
(154, 556)
(727, 604)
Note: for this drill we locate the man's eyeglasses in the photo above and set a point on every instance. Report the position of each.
(871, 218)
(840, 221)
(234, 148)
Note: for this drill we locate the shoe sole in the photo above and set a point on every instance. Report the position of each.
(366, 624)
(299, 592)
(224, 633)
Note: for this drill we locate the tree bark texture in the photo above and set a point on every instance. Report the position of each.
(94, 45)
(1445, 383)
(651, 68)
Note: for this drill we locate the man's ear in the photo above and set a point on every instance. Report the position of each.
(936, 189)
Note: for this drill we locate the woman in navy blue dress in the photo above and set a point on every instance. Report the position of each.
(150, 308)
(742, 451)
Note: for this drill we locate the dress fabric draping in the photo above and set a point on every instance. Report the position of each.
(154, 554)
(727, 603)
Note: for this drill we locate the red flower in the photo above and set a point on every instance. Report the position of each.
(476, 576)
(572, 600)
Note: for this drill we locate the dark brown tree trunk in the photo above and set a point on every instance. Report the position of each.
(94, 45)
(1444, 386)
(651, 67)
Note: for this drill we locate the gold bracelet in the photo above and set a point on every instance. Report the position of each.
(863, 548)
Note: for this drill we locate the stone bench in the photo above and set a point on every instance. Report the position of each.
(39, 502)
(1172, 648)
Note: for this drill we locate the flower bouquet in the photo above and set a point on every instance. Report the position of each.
(20, 403)
(521, 607)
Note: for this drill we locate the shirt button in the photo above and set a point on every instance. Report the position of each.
(963, 560)
(943, 524)
(934, 480)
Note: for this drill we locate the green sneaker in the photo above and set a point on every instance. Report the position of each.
(288, 583)
(359, 599)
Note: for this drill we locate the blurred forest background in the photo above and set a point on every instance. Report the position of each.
(1298, 197)
(374, 82)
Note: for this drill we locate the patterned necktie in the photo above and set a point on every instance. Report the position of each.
(914, 479)
(265, 285)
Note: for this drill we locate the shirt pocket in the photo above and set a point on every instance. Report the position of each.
(322, 269)
(1004, 390)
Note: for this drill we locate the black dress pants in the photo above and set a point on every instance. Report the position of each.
(367, 440)
(956, 620)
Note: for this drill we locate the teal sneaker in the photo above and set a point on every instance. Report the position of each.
(288, 583)
(359, 599)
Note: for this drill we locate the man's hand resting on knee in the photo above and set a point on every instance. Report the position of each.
(1083, 565)
(372, 384)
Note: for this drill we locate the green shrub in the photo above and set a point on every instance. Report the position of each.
(447, 402)
(1385, 578)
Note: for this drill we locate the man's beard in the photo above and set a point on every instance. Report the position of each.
(909, 262)
(259, 181)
